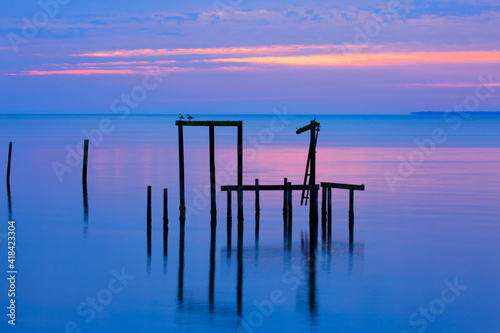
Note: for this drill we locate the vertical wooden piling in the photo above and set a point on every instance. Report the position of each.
(165, 221)
(257, 208)
(329, 212)
(213, 209)
(149, 220)
(289, 206)
(351, 214)
(85, 160)
(323, 212)
(240, 172)
(8, 163)
(182, 206)
(229, 218)
(285, 206)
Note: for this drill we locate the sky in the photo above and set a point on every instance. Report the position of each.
(248, 56)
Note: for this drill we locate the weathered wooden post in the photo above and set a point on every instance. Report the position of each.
(149, 220)
(182, 206)
(257, 207)
(289, 207)
(165, 221)
(85, 160)
(213, 208)
(351, 214)
(8, 163)
(240, 172)
(285, 205)
(329, 211)
(229, 218)
(323, 212)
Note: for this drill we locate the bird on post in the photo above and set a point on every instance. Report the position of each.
(181, 116)
(190, 117)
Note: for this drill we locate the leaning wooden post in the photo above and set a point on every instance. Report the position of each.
(329, 211)
(240, 171)
(149, 220)
(323, 211)
(213, 209)
(165, 221)
(8, 163)
(257, 207)
(85, 160)
(351, 214)
(182, 206)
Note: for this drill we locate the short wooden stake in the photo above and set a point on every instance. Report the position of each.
(351, 214)
(329, 211)
(323, 212)
(257, 207)
(85, 160)
(149, 220)
(8, 163)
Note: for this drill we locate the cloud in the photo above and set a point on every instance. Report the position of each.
(370, 59)
(221, 50)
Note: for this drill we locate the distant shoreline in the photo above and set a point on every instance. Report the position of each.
(420, 113)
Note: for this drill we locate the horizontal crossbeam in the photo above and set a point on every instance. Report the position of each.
(208, 123)
(344, 186)
(269, 187)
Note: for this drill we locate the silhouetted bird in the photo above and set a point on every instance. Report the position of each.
(190, 117)
(181, 116)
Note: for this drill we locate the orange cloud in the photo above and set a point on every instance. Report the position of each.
(222, 50)
(370, 59)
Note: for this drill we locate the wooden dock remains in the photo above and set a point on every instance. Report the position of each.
(211, 124)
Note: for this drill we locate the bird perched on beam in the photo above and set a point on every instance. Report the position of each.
(190, 117)
(181, 116)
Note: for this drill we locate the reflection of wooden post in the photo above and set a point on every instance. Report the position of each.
(351, 214)
(8, 163)
(257, 207)
(85, 160)
(240, 171)
(182, 206)
(213, 209)
(165, 220)
(149, 220)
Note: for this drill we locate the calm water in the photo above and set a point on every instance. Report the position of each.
(438, 221)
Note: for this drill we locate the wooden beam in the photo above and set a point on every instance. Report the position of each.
(268, 187)
(207, 123)
(344, 186)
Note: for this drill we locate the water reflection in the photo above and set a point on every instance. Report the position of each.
(9, 201)
(85, 209)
